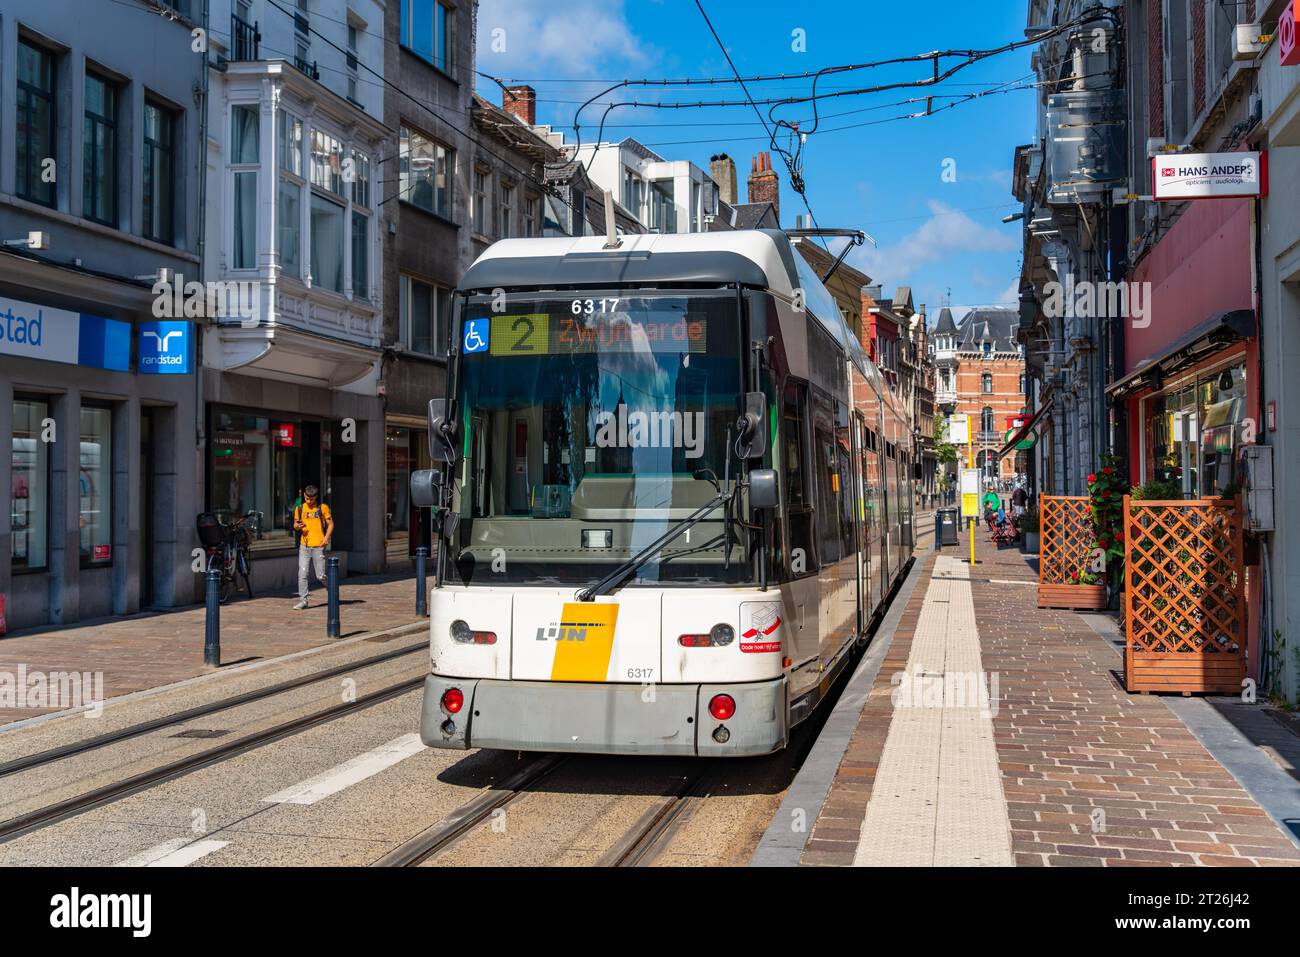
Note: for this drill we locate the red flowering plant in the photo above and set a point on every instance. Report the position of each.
(1106, 491)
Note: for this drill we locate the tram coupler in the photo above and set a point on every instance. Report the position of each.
(332, 627)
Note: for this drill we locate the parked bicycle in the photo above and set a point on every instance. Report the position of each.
(229, 548)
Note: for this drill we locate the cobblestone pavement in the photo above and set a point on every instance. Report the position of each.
(1090, 775)
(157, 648)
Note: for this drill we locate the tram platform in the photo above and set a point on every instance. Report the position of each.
(154, 649)
(980, 730)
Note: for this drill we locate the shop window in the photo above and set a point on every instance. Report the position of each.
(95, 481)
(1221, 405)
(29, 492)
(260, 463)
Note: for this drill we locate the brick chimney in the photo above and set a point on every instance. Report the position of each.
(764, 187)
(520, 102)
(722, 168)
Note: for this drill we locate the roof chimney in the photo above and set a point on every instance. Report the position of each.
(764, 187)
(722, 168)
(521, 103)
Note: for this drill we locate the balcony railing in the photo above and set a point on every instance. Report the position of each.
(244, 39)
(307, 68)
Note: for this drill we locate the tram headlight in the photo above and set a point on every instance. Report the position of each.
(722, 634)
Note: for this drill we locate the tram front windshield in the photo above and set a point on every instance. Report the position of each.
(591, 425)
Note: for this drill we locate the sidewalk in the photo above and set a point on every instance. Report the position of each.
(152, 649)
(1060, 766)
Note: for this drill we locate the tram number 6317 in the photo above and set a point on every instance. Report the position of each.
(586, 307)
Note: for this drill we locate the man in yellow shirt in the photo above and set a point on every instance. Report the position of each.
(314, 524)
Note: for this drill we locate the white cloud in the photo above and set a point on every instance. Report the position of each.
(946, 233)
(542, 37)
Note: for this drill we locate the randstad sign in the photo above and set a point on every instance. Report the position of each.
(29, 330)
(1209, 175)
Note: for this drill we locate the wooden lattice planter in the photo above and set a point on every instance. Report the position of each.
(1185, 602)
(1065, 546)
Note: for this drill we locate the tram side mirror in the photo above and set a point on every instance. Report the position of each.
(753, 426)
(442, 433)
(763, 491)
(425, 484)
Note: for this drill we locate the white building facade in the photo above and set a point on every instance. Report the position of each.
(294, 152)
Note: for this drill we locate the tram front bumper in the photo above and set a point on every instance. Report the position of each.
(605, 718)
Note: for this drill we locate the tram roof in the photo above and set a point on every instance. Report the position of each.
(757, 257)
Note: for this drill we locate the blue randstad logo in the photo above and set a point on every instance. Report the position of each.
(165, 347)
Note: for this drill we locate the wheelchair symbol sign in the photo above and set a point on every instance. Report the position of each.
(477, 335)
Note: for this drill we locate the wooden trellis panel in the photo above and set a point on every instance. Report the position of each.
(1066, 540)
(1185, 595)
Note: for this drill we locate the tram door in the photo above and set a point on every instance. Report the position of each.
(860, 513)
(480, 442)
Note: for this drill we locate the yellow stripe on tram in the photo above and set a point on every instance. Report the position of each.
(586, 642)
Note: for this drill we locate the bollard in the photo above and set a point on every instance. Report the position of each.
(332, 629)
(421, 594)
(212, 624)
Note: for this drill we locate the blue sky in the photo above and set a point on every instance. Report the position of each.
(887, 178)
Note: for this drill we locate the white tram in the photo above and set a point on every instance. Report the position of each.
(676, 492)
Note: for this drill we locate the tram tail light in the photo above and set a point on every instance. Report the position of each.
(722, 707)
(453, 699)
(718, 636)
(463, 634)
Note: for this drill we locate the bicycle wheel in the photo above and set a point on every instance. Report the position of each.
(245, 563)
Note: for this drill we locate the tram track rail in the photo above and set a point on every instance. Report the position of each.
(654, 830)
(107, 794)
(449, 830)
(51, 755)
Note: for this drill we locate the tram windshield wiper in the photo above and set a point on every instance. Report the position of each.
(604, 585)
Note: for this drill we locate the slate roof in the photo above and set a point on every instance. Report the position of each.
(997, 325)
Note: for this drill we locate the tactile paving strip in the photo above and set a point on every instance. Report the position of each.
(937, 798)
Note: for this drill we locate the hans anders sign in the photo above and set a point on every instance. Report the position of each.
(1209, 175)
(165, 347)
(33, 331)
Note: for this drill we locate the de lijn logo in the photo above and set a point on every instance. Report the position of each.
(165, 347)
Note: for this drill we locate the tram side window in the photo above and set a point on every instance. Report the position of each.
(794, 463)
(846, 496)
(828, 495)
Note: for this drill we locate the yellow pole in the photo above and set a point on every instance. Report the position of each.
(970, 463)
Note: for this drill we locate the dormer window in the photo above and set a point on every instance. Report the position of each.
(988, 348)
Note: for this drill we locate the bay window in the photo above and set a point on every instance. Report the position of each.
(326, 243)
(360, 254)
(244, 159)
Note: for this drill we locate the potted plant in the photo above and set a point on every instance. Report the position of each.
(1029, 533)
